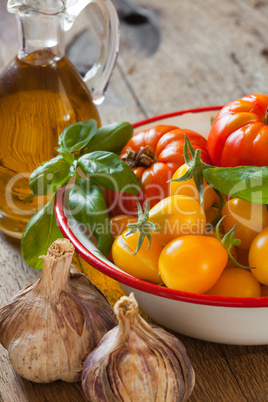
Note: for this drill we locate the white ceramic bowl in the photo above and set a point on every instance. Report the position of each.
(229, 320)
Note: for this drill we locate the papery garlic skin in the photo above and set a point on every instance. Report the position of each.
(136, 361)
(52, 325)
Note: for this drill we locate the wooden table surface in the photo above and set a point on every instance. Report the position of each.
(174, 55)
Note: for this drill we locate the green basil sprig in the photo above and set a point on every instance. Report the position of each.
(107, 169)
(77, 136)
(51, 176)
(39, 234)
(88, 201)
(88, 152)
(111, 138)
(249, 183)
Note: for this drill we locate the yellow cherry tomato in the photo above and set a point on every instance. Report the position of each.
(192, 263)
(175, 216)
(258, 257)
(236, 282)
(249, 218)
(188, 187)
(119, 224)
(230, 263)
(144, 264)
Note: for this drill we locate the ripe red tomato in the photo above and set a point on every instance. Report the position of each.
(239, 133)
(154, 155)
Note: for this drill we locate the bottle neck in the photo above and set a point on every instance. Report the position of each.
(41, 38)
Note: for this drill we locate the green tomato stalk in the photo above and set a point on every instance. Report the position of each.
(143, 225)
(228, 241)
(195, 171)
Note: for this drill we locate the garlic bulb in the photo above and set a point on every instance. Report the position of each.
(51, 326)
(136, 361)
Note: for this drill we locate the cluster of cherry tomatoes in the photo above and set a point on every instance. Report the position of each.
(181, 248)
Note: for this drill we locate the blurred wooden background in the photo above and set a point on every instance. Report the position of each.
(177, 54)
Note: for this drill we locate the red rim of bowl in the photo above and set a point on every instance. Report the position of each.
(135, 283)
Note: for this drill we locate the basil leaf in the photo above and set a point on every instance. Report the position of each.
(110, 138)
(250, 183)
(108, 170)
(67, 155)
(77, 135)
(41, 231)
(87, 205)
(50, 176)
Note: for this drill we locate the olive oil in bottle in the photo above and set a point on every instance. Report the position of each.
(42, 93)
(39, 97)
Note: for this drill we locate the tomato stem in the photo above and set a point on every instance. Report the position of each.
(143, 225)
(266, 118)
(144, 158)
(228, 241)
(193, 159)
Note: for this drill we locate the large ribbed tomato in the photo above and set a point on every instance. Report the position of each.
(154, 155)
(239, 133)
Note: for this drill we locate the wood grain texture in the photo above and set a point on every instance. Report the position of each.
(209, 53)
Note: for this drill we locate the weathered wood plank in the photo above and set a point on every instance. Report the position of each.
(249, 366)
(210, 53)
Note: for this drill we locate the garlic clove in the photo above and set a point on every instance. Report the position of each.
(52, 325)
(137, 361)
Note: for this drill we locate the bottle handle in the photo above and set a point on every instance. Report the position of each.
(97, 78)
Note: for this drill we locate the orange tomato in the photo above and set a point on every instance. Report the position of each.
(142, 265)
(119, 224)
(230, 263)
(175, 216)
(236, 282)
(258, 257)
(188, 188)
(249, 218)
(192, 263)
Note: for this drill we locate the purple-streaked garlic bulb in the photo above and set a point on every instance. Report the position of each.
(137, 362)
(50, 327)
